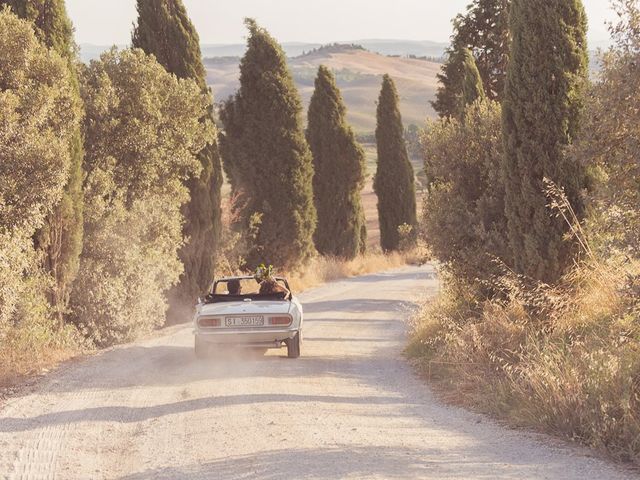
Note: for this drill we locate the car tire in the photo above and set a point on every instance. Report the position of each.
(201, 348)
(293, 346)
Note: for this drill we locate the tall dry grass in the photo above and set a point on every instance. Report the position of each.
(573, 370)
(33, 347)
(327, 269)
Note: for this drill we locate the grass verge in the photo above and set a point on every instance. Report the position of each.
(33, 348)
(327, 269)
(570, 369)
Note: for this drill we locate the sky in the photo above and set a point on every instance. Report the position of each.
(103, 22)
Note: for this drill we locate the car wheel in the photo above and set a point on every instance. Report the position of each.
(201, 348)
(293, 346)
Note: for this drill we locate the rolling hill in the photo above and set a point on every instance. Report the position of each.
(359, 75)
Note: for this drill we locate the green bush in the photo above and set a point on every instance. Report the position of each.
(38, 112)
(134, 191)
(463, 219)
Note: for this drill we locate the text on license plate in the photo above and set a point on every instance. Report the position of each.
(244, 321)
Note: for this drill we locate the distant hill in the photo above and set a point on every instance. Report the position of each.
(294, 49)
(418, 48)
(359, 75)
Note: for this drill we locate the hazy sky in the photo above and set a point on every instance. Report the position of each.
(220, 21)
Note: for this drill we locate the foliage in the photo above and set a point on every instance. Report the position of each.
(264, 272)
(450, 79)
(472, 87)
(38, 116)
(333, 48)
(165, 30)
(61, 237)
(338, 162)
(484, 30)
(394, 182)
(611, 149)
(267, 157)
(541, 118)
(412, 138)
(134, 191)
(564, 357)
(463, 216)
(50, 22)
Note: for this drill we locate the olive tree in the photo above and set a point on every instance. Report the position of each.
(143, 132)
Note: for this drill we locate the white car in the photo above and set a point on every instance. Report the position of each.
(245, 318)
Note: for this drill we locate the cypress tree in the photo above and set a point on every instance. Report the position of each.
(230, 147)
(541, 115)
(450, 79)
(484, 30)
(268, 157)
(50, 21)
(394, 182)
(472, 87)
(338, 162)
(165, 31)
(61, 237)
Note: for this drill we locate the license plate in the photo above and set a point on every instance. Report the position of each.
(244, 321)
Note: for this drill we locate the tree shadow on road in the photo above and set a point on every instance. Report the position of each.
(340, 462)
(317, 463)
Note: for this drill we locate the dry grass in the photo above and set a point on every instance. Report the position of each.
(326, 269)
(32, 348)
(577, 376)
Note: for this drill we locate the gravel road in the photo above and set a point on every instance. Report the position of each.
(349, 408)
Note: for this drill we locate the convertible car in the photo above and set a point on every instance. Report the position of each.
(234, 313)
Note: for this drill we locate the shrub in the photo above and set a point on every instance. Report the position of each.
(38, 115)
(463, 216)
(134, 191)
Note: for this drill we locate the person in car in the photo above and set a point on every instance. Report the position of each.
(234, 288)
(270, 286)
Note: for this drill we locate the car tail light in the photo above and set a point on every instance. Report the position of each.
(280, 320)
(209, 322)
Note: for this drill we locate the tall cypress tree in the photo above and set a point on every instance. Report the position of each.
(268, 158)
(338, 162)
(541, 115)
(484, 30)
(472, 86)
(394, 182)
(61, 237)
(450, 79)
(165, 31)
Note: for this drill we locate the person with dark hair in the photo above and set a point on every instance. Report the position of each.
(233, 287)
(270, 286)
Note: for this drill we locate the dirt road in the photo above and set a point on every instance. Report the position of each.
(349, 408)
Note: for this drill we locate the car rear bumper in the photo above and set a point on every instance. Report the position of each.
(246, 338)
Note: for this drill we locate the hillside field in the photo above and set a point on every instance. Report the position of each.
(359, 76)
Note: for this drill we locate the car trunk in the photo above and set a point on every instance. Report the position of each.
(260, 307)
